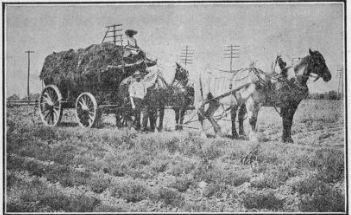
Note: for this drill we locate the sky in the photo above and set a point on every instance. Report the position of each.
(262, 30)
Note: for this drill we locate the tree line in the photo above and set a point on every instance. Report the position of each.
(330, 95)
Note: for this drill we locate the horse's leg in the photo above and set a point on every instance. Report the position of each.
(287, 116)
(213, 106)
(176, 110)
(182, 113)
(233, 118)
(201, 117)
(241, 115)
(252, 113)
(152, 118)
(161, 116)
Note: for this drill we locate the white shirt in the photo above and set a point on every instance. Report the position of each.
(137, 90)
(131, 41)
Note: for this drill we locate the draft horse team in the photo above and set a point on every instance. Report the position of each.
(248, 95)
(122, 80)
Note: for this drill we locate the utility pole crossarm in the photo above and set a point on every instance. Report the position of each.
(186, 56)
(231, 52)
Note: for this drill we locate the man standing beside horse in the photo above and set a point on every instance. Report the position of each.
(137, 92)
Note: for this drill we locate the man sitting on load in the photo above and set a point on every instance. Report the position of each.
(132, 47)
(137, 92)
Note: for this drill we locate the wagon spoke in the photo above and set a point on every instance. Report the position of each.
(56, 113)
(52, 117)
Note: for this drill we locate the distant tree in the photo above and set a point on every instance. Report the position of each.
(13, 97)
(32, 97)
(332, 95)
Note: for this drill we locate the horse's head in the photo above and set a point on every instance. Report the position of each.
(318, 66)
(181, 75)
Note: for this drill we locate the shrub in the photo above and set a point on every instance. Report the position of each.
(273, 179)
(130, 191)
(172, 145)
(308, 185)
(181, 168)
(206, 172)
(34, 168)
(215, 189)
(181, 184)
(74, 178)
(63, 154)
(11, 179)
(323, 199)
(210, 152)
(159, 165)
(45, 133)
(106, 208)
(73, 203)
(262, 200)
(236, 178)
(82, 203)
(98, 184)
(330, 165)
(170, 197)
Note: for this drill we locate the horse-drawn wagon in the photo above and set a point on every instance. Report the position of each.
(87, 80)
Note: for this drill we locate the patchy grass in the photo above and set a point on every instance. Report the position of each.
(73, 169)
(170, 197)
(263, 200)
(131, 191)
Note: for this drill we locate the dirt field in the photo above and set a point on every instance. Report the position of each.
(68, 168)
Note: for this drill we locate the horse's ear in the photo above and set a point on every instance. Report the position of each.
(311, 52)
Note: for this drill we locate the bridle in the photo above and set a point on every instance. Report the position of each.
(311, 74)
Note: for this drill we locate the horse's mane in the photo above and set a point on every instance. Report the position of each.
(305, 60)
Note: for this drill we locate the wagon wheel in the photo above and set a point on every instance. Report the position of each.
(87, 111)
(50, 105)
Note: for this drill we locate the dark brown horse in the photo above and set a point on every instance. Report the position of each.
(179, 95)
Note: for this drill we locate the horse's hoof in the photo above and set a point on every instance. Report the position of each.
(288, 140)
(235, 136)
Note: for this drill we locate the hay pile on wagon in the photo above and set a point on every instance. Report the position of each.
(98, 64)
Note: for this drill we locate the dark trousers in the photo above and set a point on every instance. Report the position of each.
(140, 108)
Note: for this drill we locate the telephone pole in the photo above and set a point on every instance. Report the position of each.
(114, 32)
(186, 56)
(340, 85)
(28, 52)
(231, 52)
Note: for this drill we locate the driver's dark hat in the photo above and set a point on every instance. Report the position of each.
(131, 32)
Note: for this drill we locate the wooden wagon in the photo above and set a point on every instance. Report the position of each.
(90, 94)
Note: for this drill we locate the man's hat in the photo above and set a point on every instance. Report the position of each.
(137, 74)
(131, 32)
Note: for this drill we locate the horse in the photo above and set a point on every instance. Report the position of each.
(182, 95)
(179, 95)
(255, 89)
